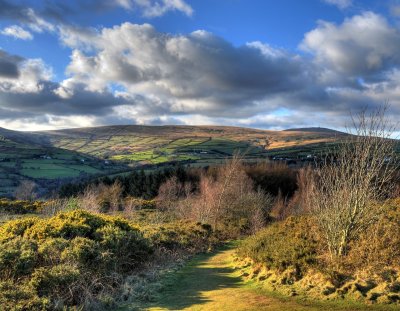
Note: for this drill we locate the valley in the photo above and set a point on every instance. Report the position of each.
(50, 158)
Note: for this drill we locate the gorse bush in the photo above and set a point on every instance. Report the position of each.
(77, 257)
(20, 206)
(282, 245)
(378, 247)
(181, 235)
(56, 262)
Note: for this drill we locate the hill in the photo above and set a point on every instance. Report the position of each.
(27, 156)
(314, 130)
(155, 144)
(52, 157)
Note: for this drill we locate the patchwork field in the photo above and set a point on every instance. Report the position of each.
(22, 160)
(160, 144)
(51, 157)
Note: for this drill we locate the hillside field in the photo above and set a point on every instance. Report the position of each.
(51, 157)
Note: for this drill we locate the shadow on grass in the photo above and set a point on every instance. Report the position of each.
(184, 288)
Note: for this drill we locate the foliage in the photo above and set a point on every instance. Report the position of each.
(53, 261)
(181, 235)
(75, 258)
(273, 178)
(282, 244)
(137, 184)
(20, 206)
(378, 247)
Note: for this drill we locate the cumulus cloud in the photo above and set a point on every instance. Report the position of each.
(133, 73)
(155, 8)
(341, 4)
(28, 93)
(186, 73)
(364, 45)
(17, 32)
(9, 65)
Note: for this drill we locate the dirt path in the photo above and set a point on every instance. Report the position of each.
(210, 283)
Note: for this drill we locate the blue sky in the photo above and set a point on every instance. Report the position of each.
(256, 63)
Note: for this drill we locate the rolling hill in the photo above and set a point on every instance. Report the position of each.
(27, 156)
(53, 157)
(148, 144)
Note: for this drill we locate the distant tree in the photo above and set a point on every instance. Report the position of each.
(26, 190)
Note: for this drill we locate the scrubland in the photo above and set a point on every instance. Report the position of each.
(325, 232)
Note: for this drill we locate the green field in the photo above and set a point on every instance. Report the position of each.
(53, 156)
(20, 160)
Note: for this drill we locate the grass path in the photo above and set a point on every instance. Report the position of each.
(210, 283)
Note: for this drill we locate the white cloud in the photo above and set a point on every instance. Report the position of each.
(133, 73)
(17, 32)
(38, 23)
(364, 45)
(185, 73)
(32, 74)
(341, 4)
(156, 8)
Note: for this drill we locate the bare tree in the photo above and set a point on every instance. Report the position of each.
(171, 191)
(229, 198)
(359, 173)
(26, 190)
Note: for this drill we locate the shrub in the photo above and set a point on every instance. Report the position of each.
(20, 206)
(20, 298)
(57, 282)
(132, 204)
(282, 244)
(18, 257)
(181, 235)
(53, 261)
(378, 246)
(81, 251)
(128, 248)
(15, 228)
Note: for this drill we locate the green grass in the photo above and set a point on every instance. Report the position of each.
(50, 173)
(19, 161)
(189, 149)
(210, 282)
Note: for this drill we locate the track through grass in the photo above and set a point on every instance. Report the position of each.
(209, 282)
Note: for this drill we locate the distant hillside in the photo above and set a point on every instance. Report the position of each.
(315, 130)
(119, 142)
(50, 157)
(28, 156)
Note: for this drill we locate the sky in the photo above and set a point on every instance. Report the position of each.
(253, 63)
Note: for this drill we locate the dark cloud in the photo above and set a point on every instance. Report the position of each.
(135, 74)
(9, 65)
(196, 73)
(82, 102)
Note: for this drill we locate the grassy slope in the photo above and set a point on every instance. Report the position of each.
(136, 145)
(22, 158)
(158, 144)
(210, 282)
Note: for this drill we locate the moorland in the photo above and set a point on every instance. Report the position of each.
(200, 218)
